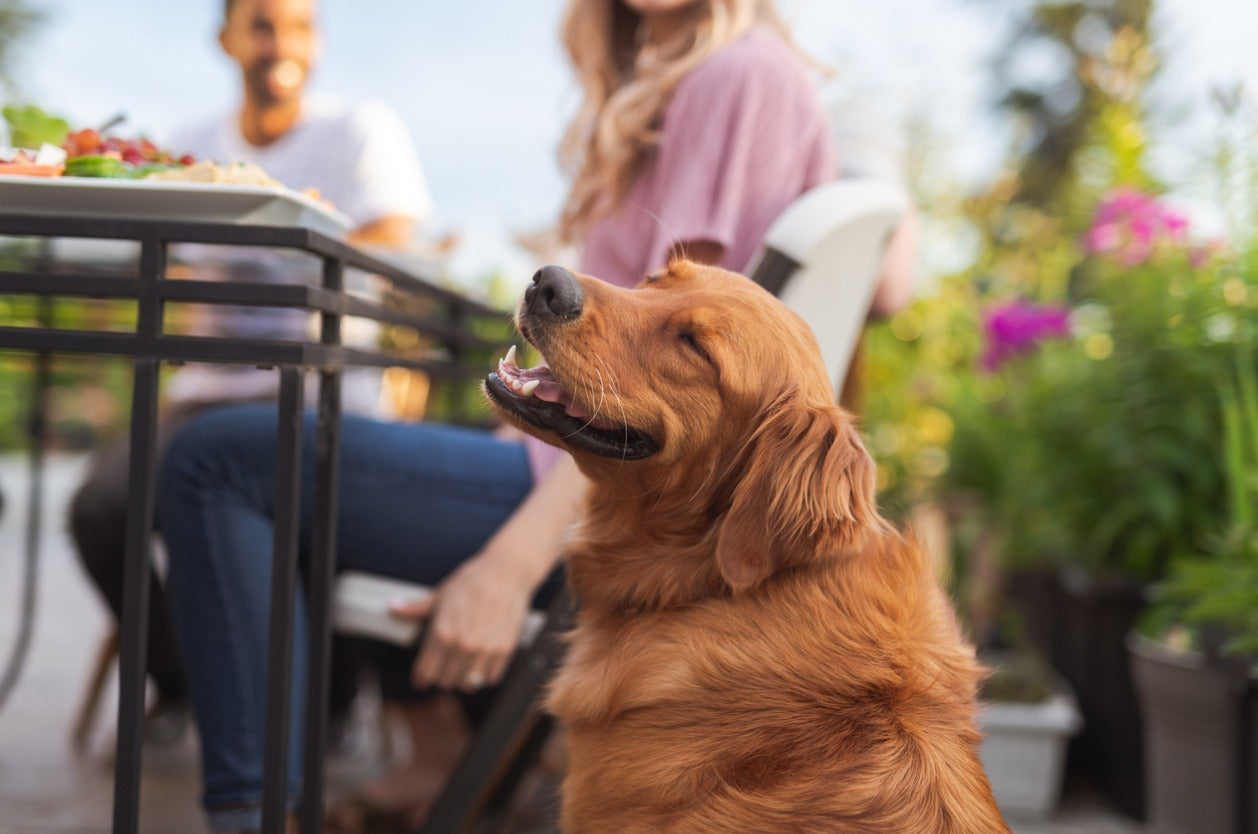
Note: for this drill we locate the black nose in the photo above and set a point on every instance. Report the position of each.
(554, 293)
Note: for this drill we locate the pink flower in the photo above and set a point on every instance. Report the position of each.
(1130, 225)
(1018, 327)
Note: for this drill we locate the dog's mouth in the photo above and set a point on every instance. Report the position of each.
(534, 396)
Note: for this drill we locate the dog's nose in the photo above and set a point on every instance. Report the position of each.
(554, 293)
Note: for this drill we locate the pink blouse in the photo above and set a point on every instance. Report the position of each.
(743, 135)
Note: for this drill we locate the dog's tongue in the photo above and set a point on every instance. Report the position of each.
(552, 392)
(547, 388)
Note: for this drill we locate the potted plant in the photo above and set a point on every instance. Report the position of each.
(1196, 659)
(1027, 715)
(1092, 450)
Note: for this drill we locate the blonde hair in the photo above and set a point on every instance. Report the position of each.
(625, 89)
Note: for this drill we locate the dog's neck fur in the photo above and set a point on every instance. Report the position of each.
(664, 558)
(648, 568)
(642, 549)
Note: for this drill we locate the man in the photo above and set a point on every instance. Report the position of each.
(361, 159)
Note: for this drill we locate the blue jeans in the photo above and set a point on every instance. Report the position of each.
(415, 501)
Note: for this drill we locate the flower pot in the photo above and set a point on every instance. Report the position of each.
(1194, 742)
(1081, 625)
(1024, 751)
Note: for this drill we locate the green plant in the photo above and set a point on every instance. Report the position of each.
(1216, 589)
(1096, 441)
(1017, 678)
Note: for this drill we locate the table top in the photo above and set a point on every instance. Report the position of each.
(176, 201)
(450, 324)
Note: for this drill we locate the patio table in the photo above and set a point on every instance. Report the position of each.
(449, 324)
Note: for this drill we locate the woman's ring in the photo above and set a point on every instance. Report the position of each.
(474, 680)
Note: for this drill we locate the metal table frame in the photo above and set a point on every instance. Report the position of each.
(451, 329)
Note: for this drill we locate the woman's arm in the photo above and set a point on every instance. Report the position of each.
(477, 614)
(897, 276)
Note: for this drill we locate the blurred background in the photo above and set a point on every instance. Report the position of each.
(1068, 411)
(485, 89)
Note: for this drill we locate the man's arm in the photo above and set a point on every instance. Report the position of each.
(393, 231)
(388, 194)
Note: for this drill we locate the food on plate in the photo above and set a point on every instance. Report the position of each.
(31, 127)
(89, 152)
(235, 173)
(25, 166)
(48, 161)
(93, 154)
(134, 152)
(95, 165)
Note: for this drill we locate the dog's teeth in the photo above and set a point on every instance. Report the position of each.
(529, 387)
(510, 354)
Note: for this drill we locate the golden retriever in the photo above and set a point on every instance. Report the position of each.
(756, 649)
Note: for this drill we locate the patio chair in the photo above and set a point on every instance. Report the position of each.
(822, 257)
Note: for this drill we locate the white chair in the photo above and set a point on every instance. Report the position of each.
(823, 256)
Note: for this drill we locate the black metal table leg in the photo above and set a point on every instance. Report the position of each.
(133, 646)
(322, 567)
(283, 596)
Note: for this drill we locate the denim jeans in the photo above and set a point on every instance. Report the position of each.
(415, 500)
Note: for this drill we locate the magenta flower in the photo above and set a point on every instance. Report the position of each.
(1018, 327)
(1130, 225)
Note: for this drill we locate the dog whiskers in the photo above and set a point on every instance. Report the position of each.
(624, 418)
(596, 407)
(606, 383)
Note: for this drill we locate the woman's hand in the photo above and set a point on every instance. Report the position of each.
(475, 618)
(476, 615)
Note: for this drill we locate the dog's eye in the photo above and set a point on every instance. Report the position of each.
(691, 341)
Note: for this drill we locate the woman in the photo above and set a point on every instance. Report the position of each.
(699, 125)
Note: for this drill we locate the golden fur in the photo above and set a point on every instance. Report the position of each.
(756, 650)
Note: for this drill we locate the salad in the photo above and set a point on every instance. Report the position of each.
(32, 143)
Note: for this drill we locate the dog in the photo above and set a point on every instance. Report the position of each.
(756, 648)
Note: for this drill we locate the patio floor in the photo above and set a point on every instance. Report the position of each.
(48, 788)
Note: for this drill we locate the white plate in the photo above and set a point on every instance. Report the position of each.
(197, 202)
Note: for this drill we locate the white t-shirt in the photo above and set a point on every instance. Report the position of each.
(362, 160)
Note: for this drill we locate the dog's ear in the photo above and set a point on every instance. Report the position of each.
(807, 489)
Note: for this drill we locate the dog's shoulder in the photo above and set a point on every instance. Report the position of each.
(616, 663)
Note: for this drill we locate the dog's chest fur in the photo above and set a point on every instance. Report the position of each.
(731, 711)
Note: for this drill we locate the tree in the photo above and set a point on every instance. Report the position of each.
(1081, 130)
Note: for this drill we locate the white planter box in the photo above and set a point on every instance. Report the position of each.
(1024, 752)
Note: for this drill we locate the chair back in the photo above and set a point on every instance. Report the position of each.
(823, 256)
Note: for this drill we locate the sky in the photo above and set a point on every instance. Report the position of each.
(485, 89)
